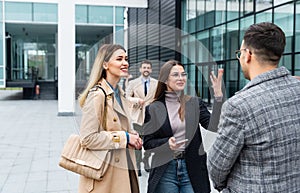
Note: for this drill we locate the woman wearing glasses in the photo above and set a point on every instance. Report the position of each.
(172, 133)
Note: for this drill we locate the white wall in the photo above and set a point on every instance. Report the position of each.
(66, 57)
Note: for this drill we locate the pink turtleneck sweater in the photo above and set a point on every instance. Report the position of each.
(178, 126)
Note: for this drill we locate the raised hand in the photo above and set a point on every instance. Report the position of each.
(217, 82)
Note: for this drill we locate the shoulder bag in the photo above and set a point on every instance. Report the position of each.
(89, 163)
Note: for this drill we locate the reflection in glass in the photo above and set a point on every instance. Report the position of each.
(17, 11)
(119, 35)
(101, 14)
(119, 15)
(263, 4)
(191, 9)
(1, 8)
(265, 16)
(81, 14)
(220, 12)
(45, 12)
(297, 27)
(203, 53)
(286, 61)
(247, 6)
(217, 42)
(200, 15)
(185, 49)
(232, 41)
(277, 2)
(244, 24)
(283, 17)
(232, 10)
(191, 15)
(209, 13)
(297, 65)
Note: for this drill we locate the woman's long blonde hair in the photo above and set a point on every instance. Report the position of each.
(98, 72)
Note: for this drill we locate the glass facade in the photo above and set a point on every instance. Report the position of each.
(87, 14)
(219, 26)
(2, 39)
(30, 55)
(44, 12)
(112, 18)
(30, 12)
(29, 30)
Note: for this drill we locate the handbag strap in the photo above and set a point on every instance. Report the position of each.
(105, 107)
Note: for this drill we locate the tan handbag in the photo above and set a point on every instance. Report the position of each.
(89, 163)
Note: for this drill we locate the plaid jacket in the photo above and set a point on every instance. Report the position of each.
(258, 143)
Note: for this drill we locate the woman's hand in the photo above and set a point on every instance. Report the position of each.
(173, 145)
(135, 140)
(217, 82)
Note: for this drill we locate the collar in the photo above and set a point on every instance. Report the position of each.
(106, 86)
(272, 74)
(145, 79)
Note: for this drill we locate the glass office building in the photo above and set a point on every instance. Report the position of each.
(219, 25)
(211, 31)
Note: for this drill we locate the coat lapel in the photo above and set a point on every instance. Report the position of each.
(151, 90)
(140, 89)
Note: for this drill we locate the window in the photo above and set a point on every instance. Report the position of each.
(119, 35)
(297, 27)
(232, 41)
(81, 14)
(297, 65)
(217, 42)
(232, 10)
(119, 15)
(18, 11)
(265, 16)
(283, 17)
(203, 53)
(45, 12)
(244, 24)
(100, 14)
(263, 4)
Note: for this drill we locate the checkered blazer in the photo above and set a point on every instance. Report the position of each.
(258, 143)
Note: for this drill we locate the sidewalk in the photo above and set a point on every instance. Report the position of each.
(31, 139)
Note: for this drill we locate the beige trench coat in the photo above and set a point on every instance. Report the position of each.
(116, 179)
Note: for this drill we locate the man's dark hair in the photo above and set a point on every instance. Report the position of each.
(267, 41)
(146, 62)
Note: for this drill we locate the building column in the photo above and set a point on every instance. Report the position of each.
(66, 58)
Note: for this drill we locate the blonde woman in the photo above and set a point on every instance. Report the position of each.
(115, 134)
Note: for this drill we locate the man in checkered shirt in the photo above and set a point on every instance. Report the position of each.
(258, 144)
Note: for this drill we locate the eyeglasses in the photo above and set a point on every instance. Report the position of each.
(178, 75)
(239, 52)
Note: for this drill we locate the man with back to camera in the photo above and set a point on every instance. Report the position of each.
(257, 147)
(140, 92)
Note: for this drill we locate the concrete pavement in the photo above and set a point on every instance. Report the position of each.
(31, 140)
